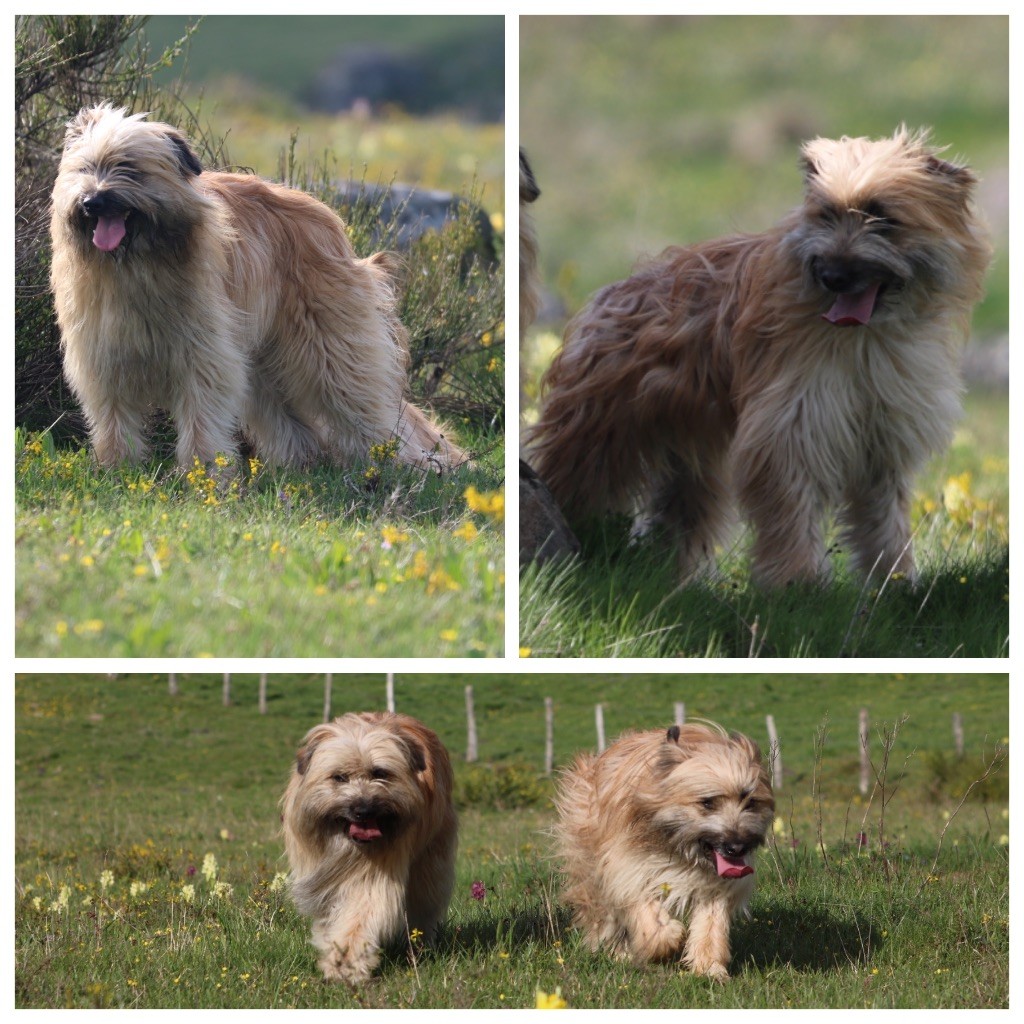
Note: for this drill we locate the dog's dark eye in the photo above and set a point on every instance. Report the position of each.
(339, 777)
(380, 773)
(709, 803)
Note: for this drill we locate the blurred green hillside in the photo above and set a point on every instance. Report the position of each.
(462, 57)
(646, 131)
(431, 113)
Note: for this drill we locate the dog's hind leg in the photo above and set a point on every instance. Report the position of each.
(692, 503)
(429, 889)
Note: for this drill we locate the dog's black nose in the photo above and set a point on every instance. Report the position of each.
(734, 848)
(96, 205)
(841, 276)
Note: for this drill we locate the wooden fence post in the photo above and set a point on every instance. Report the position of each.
(328, 681)
(263, 693)
(774, 753)
(599, 725)
(172, 684)
(865, 754)
(549, 735)
(389, 691)
(680, 713)
(225, 693)
(958, 733)
(470, 727)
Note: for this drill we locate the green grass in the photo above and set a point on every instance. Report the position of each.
(624, 600)
(117, 776)
(145, 563)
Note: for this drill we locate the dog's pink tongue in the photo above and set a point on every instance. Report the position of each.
(364, 831)
(853, 308)
(731, 867)
(109, 232)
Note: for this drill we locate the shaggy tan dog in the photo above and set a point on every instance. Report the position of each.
(370, 834)
(810, 368)
(662, 827)
(235, 304)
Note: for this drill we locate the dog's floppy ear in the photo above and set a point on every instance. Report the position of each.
(961, 176)
(528, 190)
(189, 162)
(670, 752)
(309, 745)
(416, 754)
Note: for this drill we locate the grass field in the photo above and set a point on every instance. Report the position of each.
(149, 871)
(378, 560)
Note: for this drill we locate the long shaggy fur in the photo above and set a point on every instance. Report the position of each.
(235, 304)
(370, 834)
(810, 368)
(659, 830)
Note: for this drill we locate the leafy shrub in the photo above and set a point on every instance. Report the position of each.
(950, 777)
(500, 787)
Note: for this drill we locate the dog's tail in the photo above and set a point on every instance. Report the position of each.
(424, 443)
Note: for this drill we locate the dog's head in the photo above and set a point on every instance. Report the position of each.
(363, 778)
(710, 798)
(125, 184)
(887, 228)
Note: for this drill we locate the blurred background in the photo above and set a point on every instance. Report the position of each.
(423, 97)
(650, 131)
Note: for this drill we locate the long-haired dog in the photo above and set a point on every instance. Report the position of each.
(810, 368)
(370, 834)
(236, 305)
(660, 829)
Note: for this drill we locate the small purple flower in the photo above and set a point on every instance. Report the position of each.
(478, 890)
(191, 870)
(862, 840)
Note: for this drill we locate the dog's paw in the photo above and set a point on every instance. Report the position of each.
(715, 971)
(338, 965)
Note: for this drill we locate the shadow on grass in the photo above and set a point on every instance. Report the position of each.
(805, 940)
(624, 600)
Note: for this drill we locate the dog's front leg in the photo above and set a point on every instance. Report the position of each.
(707, 947)
(208, 401)
(654, 934)
(876, 526)
(351, 936)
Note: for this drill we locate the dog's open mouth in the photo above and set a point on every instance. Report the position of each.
(109, 231)
(854, 309)
(726, 866)
(365, 831)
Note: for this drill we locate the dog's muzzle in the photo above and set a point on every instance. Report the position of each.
(108, 219)
(857, 286)
(728, 858)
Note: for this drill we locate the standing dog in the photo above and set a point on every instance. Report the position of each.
(370, 834)
(812, 367)
(662, 827)
(237, 305)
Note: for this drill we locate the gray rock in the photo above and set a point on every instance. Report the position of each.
(544, 534)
